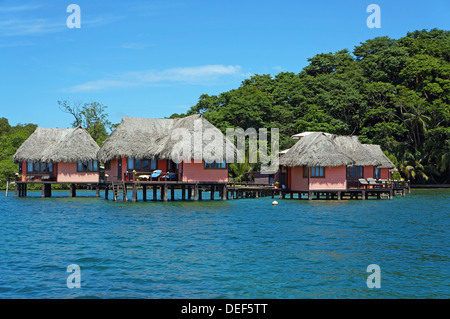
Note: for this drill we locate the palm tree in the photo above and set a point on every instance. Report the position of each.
(411, 167)
(240, 170)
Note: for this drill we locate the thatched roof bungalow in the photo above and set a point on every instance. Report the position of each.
(62, 155)
(184, 149)
(321, 161)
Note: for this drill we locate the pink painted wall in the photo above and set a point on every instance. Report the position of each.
(384, 173)
(24, 170)
(67, 173)
(296, 180)
(368, 172)
(335, 178)
(113, 171)
(195, 172)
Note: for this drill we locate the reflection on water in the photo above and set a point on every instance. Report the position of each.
(243, 248)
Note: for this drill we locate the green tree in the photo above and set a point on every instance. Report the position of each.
(91, 116)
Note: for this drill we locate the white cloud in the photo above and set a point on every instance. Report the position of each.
(188, 75)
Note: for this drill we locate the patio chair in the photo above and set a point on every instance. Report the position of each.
(363, 182)
(373, 182)
(156, 174)
(169, 175)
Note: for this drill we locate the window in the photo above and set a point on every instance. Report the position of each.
(305, 171)
(153, 164)
(130, 163)
(215, 164)
(39, 167)
(142, 165)
(145, 165)
(137, 164)
(317, 171)
(355, 171)
(377, 172)
(87, 166)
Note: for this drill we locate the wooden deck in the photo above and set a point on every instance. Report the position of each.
(203, 190)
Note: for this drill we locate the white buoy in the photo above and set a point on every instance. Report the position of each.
(274, 202)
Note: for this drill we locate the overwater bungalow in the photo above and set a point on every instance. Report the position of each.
(58, 155)
(321, 162)
(148, 149)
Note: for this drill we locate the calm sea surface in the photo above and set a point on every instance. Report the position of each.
(244, 248)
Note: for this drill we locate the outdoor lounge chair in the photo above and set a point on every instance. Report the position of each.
(373, 182)
(169, 175)
(156, 174)
(363, 182)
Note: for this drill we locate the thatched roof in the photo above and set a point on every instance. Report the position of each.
(353, 148)
(58, 145)
(148, 138)
(376, 153)
(316, 149)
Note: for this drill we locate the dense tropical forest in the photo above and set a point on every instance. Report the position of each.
(392, 92)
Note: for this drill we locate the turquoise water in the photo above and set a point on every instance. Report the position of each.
(244, 248)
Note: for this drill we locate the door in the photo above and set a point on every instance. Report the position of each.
(119, 168)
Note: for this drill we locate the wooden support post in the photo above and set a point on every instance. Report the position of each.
(134, 194)
(155, 193)
(164, 190)
(195, 190)
(200, 191)
(391, 194)
(273, 193)
(328, 195)
(73, 190)
(183, 192)
(224, 192)
(144, 193)
(363, 195)
(43, 190)
(172, 192)
(339, 195)
(232, 194)
(309, 195)
(97, 190)
(15, 189)
(403, 192)
(106, 191)
(212, 192)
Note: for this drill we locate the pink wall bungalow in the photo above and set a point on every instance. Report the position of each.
(321, 161)
(141, 147)
(61, 155)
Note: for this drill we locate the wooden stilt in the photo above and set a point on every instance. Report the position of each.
(339, 195)
(165, 191)
(97, 190)
(155, 193)
(172, 192)
(134, 194)
(144, 193)
(195, 190)
(212, 192)
(224, 192)
(15, 189)
(73, 190)
(183, 192)
(106, 191)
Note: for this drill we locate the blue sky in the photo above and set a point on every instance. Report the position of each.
(155, 58)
